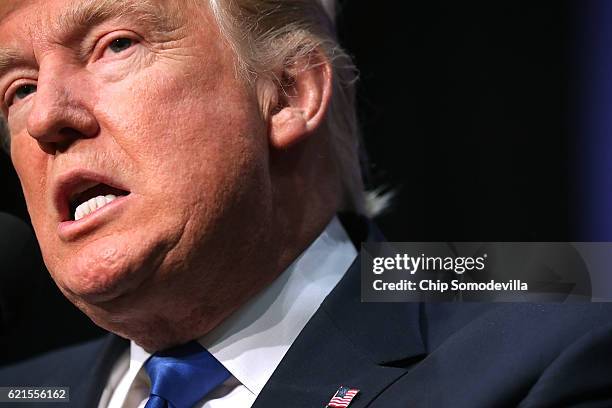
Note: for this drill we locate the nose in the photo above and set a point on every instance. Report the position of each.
(60, 113)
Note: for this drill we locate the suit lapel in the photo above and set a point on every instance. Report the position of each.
(358, 345)
(88, 388)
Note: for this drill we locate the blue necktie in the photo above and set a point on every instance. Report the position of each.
(182, 376)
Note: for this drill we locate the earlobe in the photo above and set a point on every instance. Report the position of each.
(301, 101)
(288, 126)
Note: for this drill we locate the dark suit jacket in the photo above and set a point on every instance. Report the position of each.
(402, 355)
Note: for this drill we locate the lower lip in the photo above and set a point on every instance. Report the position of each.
(71, 230)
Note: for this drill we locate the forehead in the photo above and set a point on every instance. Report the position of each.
(8, 6)
(46, 16)
(27, 25)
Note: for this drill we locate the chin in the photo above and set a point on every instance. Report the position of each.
(96, 276)
(110, 266)
(97, 285)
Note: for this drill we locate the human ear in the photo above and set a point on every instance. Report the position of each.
(302, 97)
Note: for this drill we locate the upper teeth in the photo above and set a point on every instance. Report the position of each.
(92, 205)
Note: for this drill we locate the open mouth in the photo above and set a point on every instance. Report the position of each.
(93, 198)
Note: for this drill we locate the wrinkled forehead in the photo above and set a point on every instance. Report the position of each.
(29, 24)
(9, 6)
(12, 18)
(9, 10)
(43, 18)
(13, 11)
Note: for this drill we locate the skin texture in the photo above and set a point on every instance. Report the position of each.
(221, 200)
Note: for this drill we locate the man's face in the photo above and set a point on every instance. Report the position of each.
(138, 100)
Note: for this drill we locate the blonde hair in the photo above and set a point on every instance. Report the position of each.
(269, 35)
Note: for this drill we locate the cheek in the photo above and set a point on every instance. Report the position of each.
(183, 131)
(31, 163)
(26, 156)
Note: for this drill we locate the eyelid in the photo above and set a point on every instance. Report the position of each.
(106, 40)
(8, 98)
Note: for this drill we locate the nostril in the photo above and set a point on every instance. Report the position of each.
(47, 147)
(66, 137)
(60, 142)
(70, 133)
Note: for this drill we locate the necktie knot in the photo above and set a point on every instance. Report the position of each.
(182, 376)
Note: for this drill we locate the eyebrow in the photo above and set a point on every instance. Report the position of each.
(9, 58)
(89, 13)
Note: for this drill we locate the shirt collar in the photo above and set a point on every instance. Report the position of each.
(252, 342)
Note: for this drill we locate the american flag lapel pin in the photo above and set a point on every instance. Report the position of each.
(342, 398)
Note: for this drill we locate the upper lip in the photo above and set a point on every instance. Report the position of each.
(75, 181)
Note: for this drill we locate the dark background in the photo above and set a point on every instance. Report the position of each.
(463, 108)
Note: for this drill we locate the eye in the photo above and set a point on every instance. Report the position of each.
(120, 44)
(22, 92)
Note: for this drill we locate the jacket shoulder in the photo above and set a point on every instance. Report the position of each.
(63, 367)
(485, 355)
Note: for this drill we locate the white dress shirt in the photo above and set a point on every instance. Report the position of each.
(252, 342)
